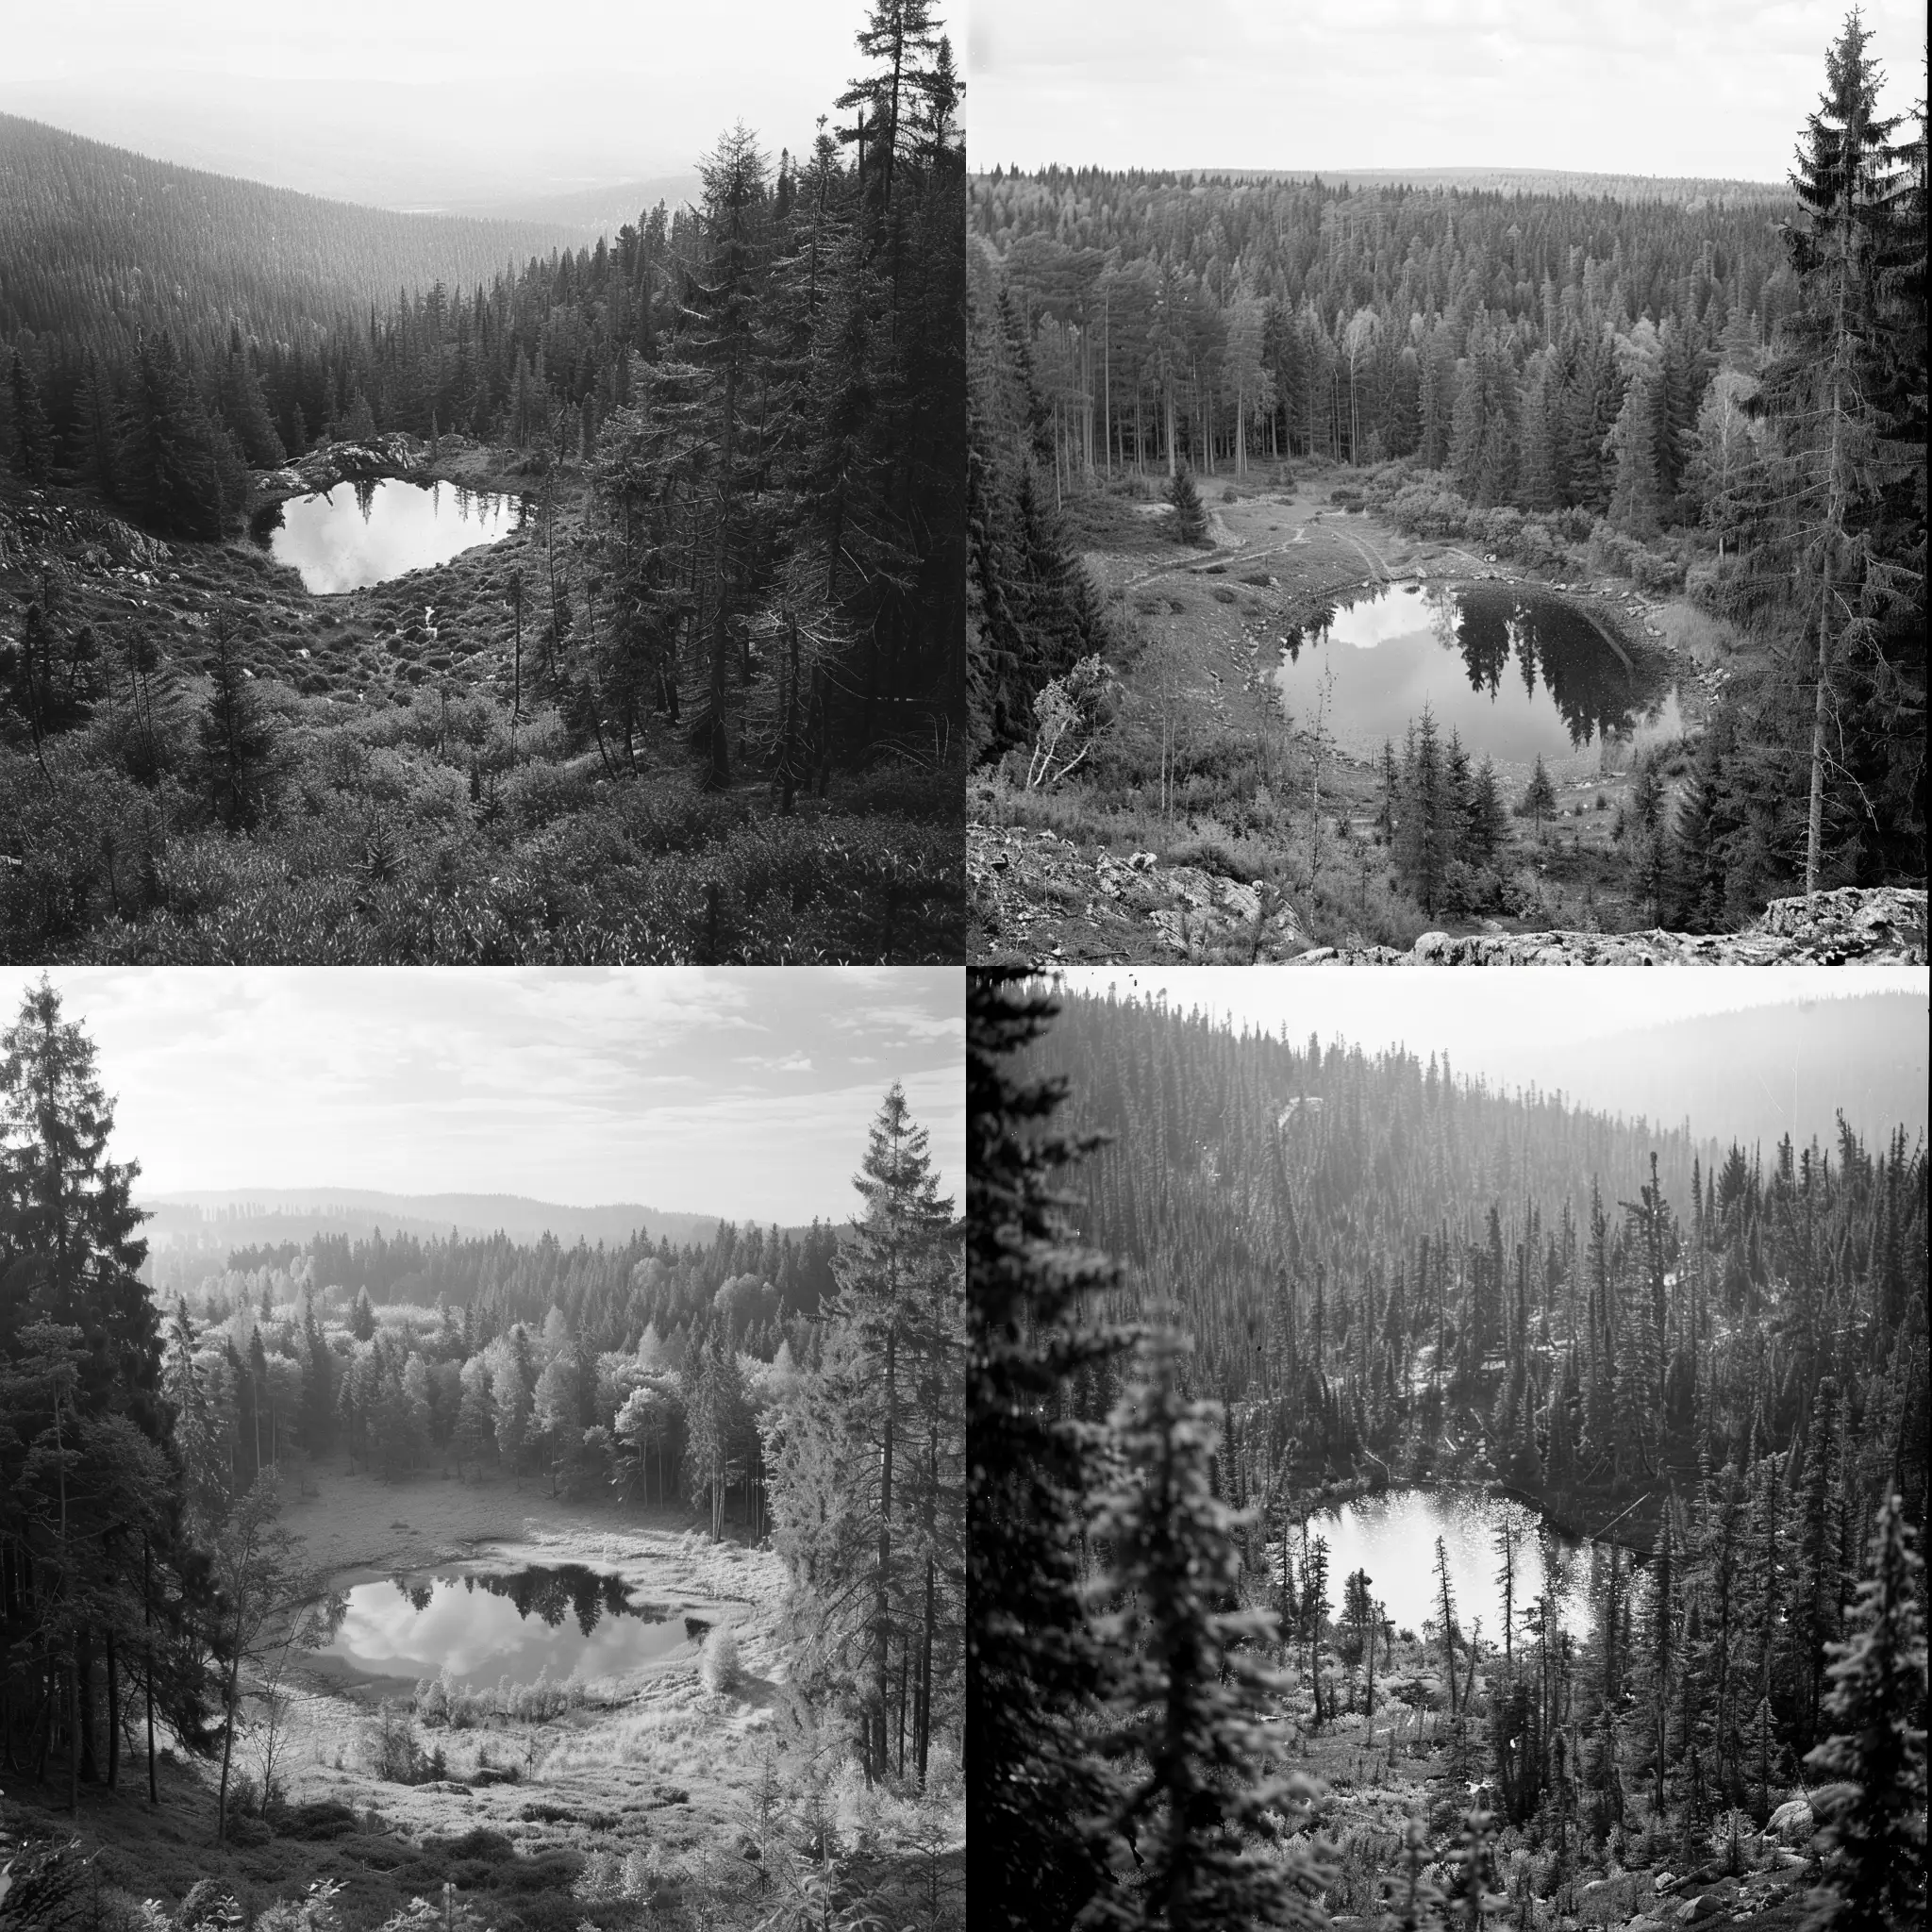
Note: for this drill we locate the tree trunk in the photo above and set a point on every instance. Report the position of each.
(882, 1604)
(925, 1676)
(153, 1796)
(113, 1715)
(1814, 825)
(227, 1755)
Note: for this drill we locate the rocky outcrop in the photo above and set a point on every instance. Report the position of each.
(1875, 925)
(1040, 896)
(1027, 885)
(329, 463)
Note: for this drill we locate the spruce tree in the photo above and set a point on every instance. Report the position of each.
(1872, 1815)
(236, 740)
(1033, 1667)
(1193, 1734)
(1191, 520)
(33, 435)
(1539, 799)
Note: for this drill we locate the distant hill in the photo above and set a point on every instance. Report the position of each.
(210, 1221)
(1753, 1075)
(586, 212)
(1691, 192)
(95, 237)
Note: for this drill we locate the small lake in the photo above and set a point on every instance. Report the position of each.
(1393, 1536)
(568, 1622)
(1515, 673)
(366, 533)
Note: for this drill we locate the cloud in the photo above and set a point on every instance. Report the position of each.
(1716, 87)
(579, 1087)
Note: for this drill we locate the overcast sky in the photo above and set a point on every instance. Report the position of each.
(1639, 87)
(740, 1093)
(1491, 1019)
(414, 101)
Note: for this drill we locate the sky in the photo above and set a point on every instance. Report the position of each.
(413, 103)
(742, 1092)
(1638, 87)
(1494, 1020)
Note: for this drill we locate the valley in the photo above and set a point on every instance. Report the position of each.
(1209, 766)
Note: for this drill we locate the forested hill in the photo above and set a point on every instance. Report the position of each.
(1446, 1262)
(217, 1220)
(769, 1280)
(97, 242)
(1693, 191)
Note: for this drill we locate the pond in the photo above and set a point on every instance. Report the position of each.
(366, 533)
(1392, 1536)
(567, 1621)
(1517, 673)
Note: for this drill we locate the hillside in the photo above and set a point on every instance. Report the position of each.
(672, 711)
(97, 242)
(1691, 192)
(1801, 1062)
(242, 1217)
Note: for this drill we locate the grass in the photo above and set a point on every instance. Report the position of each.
(416, 805)
(1200, 766)
(630, 1805)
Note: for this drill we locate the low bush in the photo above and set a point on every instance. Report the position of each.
(719, 1669)
(391, 1748)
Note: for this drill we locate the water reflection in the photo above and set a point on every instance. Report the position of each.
(1393, 1536)
(366, 532)
(1515, 673)
(567, 1620)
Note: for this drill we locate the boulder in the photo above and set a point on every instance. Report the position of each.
(1719, 1898)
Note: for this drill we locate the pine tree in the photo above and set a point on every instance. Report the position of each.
(1034, 1668)
(1538, 798)
(33, 435)
(74, 1257)
(1872, 1816)
(1193, 1695)
(728, 342)
(1190, 519)
(236, 740)
(1851, 587)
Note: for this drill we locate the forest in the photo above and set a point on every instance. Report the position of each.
(705, 704)
(1716, 399)
(793, 1406)
(1220, 1283)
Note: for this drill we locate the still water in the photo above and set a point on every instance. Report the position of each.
(568, 1622)
(366, 533)
(1516, 674)
(1393, 1536)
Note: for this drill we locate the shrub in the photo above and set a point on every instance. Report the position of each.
(718, 1667)
(391, 1748)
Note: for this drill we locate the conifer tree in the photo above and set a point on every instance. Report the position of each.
(236, 740)
(1033, 1667)
(1190, 519)
(1539, 799)
(1872, 1815)
(33, 435)
(1192, 1696)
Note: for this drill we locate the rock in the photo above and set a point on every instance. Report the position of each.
(1142, 861)
(1721, 1895)
(1791, 1822)
(1851, 925)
